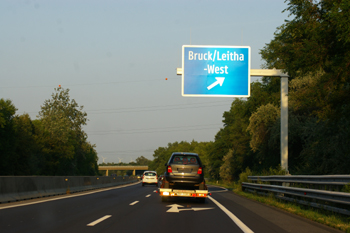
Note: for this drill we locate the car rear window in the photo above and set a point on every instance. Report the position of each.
(184, 159)
(150, 174)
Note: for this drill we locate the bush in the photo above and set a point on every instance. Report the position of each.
(243, 177)
(274, 171)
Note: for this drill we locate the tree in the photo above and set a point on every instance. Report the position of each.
(142, 161)
(226, 168)
(316, 41)
(7, 137)
(259, 124)
(26, 157)
(65, 147)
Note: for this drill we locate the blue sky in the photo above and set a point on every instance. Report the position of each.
(115, 56)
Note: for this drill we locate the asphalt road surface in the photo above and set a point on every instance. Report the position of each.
(133, 208)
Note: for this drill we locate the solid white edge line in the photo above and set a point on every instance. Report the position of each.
(135, 202)
(236, 220)
(219, 191)
(99, 220)
(70, 196)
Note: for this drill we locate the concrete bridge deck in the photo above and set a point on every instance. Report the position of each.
(122, 168)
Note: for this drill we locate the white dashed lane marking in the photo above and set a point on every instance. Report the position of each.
(99, 220)
(135, 202)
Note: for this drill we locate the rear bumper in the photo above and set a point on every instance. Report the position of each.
(184, 180)
(149, 182)
(183, 193)
(145, 181)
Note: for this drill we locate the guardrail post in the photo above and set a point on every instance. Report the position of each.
(68, 189)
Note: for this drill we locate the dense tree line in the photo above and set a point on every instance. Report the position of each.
(314, 49)
(54, 144)
(139, 161)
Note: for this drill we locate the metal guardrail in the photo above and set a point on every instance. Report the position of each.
(17, 188)
(331, 200)
(317, 180)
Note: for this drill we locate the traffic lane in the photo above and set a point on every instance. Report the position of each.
(176, 215)
(59, 197)
(148, 213)
(263, 218)
(66, 214)
(52, 215)
(121, 212)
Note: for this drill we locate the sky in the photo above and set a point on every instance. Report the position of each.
(119, 58)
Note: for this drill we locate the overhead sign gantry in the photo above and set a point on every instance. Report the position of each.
(224, 71)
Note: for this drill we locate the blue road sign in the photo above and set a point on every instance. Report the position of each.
(216, 71)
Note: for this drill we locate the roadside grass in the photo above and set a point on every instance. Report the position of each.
(328, 218)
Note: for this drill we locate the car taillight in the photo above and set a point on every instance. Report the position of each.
(169, 169)
(200, 171)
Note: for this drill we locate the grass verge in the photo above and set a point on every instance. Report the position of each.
(331, 219)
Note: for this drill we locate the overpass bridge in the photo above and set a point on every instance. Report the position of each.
(122, 168)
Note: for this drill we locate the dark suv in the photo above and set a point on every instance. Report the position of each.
(184, 169)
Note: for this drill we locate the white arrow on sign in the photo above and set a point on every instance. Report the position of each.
(219, 80)
(175, 208)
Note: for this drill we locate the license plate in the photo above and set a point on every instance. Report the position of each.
(184, 191)
(184, 170)
(184, 194)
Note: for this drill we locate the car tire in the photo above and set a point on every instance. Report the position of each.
(164, 199)
(143, 184)
(201, 200)
(156, 184)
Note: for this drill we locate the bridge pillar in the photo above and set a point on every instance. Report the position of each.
(107, 172)
(134, 172)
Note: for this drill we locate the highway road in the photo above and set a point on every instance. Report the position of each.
(133, 208)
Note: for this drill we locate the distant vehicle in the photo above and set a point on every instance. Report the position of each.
(150, 177)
